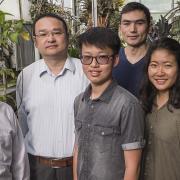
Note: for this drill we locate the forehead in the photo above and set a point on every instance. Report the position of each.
(95, 49)
(163, 55)
(48, 23)
(133, 15)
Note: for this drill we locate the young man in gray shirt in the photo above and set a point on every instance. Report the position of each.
(109, 121)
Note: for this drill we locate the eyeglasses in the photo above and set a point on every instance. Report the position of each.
(101, 59)
(45, 34)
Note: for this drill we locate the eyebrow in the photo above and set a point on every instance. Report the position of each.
(134, 21)
(55, 29)
(162, 62)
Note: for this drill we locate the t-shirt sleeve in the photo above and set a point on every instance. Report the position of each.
(132, 126)
(77, 103)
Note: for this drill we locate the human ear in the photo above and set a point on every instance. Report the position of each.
(116, 60)
(35, 41)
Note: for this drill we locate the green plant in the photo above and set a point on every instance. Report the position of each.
(10, 30)
(108, 12)
(168, 25)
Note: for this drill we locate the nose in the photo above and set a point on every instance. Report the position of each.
(160, 70)
(133, 27)
(51, 37)
(94, 62)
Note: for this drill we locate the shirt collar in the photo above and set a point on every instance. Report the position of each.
(69, 65)
(106, 95)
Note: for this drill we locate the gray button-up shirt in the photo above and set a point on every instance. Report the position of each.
(14, 163)
(105, 127)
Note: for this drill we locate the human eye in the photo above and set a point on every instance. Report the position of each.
(140, 22)
(167, 65)
(153, 65)
(57, 32)
(42, 34)
(126, 23)
(103, 59)
(86, 59)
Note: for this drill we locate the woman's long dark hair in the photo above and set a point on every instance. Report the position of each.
(148, 92)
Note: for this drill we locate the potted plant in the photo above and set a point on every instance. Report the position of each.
(10, 30)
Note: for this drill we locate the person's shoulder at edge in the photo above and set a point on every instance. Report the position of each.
(76, 62)
(34, 65)
(79, 70)
(79, 97)
(7, 111)
(126, 96)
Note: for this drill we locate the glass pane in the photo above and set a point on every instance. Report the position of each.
(161, 6)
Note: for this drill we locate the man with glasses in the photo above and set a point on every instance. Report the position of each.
(46, 91)
(134, 27)
(109, 121)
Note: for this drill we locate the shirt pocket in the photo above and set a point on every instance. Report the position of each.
(103, 137)
(5, 148)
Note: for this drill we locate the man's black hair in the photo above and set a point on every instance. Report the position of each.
(133, 6)
(100, 37)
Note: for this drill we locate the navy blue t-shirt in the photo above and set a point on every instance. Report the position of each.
(129, 75)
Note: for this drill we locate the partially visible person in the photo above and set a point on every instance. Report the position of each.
(46, 90)
(134, 27)
(109, 120)
(14, 163)
(160, 96)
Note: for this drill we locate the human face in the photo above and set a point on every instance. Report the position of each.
(98, 74)
(162, 70)
(134, 28)
(52, 44)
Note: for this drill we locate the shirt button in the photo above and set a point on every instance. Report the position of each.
(151, 127)
(92, 106)
(102, 133)
(149, 142)
(89, 125)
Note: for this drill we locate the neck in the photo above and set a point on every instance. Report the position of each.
(162, 98)
(55, 64)
(135, 54)
(97, 90)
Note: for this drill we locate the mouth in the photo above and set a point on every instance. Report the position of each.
(133, 37)
(51, 46)
(94, 73)
(160, 81)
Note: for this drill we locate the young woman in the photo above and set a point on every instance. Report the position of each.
(161, 99)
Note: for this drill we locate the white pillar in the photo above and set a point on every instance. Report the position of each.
(94, 12)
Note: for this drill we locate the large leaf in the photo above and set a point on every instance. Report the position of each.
(2, 16)
(7, 25)
(14, 37)
(19, 25)
(5, 33)
(2, 19)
